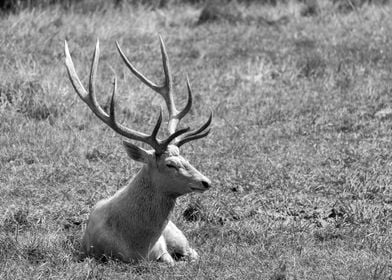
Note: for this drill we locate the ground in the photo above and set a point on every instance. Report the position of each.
(300, 153)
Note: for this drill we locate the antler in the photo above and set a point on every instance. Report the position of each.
(181, 136)
(164, 90)
(90, 99)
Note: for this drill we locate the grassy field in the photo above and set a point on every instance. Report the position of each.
(300, 155)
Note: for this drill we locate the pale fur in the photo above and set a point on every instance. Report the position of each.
(134, 223)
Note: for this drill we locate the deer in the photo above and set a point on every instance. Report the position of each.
(134, 224)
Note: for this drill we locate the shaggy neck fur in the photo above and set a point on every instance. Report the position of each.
(141, 211)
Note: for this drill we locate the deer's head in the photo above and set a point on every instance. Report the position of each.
(166, 167)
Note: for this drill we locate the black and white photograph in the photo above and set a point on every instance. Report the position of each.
(196, 139)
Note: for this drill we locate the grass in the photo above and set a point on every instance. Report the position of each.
(300, 153)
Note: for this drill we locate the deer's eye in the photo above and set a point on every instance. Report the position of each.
(172, 166)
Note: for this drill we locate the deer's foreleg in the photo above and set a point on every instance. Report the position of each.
(176, 242)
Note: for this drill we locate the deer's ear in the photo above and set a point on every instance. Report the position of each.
(136, 153)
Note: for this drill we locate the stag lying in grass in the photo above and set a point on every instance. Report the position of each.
(134, 223)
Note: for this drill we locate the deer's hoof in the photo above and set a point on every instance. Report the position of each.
(166, 258)
(193, 255)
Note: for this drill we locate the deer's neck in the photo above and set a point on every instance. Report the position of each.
(143, 205)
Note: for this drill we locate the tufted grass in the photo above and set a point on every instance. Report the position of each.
(300, 153)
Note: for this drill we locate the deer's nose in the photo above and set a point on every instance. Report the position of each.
(206, 184)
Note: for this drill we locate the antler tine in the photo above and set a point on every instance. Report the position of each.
(192, 137)
(90, 99)
(72, 74)
(167, 89)
(139, 75)
(175, 135)
(195, 134)
(201, 128)
(188, 105)
(87, 97)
